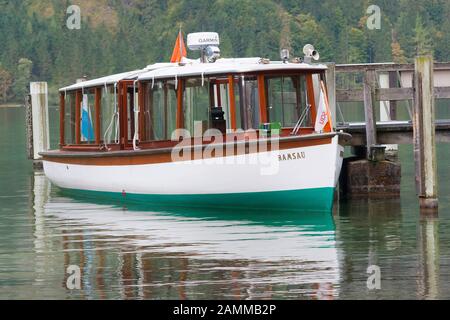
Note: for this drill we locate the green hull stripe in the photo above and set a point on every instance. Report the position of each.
(308, 199)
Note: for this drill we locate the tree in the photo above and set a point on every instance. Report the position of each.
(5, 84)
(22, 80)
(422, 38)
(398, 54)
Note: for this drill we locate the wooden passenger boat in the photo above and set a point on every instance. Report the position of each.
(210, 132)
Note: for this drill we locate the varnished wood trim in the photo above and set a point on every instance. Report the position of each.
(262, 99)
(62, 113)
(232, 102)
(78, 116)
(98, 99)
(180, 118)
(165, 155)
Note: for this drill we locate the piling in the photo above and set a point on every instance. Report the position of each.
(369, 109)
(424, 133)
(369, 175)
(29, 126)
(39, 139)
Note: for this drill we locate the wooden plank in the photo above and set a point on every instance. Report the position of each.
(97, 106)
(369, 108)
(352, 95)
(232, 102)
(442, 92)
(62, 112)
(385, 94)
(382, 94)
(424, 133)
(393, 83)
(394, 94)
(386, 67)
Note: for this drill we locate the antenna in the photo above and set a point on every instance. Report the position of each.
(206, 42)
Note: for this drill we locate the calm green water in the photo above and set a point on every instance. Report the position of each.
(133, 253)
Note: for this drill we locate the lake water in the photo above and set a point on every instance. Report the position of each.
(129, 252)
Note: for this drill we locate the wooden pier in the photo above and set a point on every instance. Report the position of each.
(419, 84)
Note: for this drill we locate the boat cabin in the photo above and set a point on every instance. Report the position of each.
(143, 109)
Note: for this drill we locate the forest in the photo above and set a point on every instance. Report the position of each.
(36, 43)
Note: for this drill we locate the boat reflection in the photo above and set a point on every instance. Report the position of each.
(137, 252)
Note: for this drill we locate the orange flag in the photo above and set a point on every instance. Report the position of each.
(180, 50)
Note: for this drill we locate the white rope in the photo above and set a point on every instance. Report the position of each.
(116, 108)
(203, 78)
(115, 117)
(136, 118)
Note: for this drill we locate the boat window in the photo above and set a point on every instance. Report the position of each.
(222, 100)
(286, 99)
(87, 116)
(69, 118)
(197, 104)
(108, 119)
(160, 111)
(249, 103)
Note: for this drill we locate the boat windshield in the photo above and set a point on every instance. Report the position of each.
(286, 99)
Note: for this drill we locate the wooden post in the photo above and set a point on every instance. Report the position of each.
(393, 83)
(29, 124)
(369, 109)
(39, 105)
(331, 89)
(424, 133)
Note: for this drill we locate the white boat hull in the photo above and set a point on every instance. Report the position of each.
(289, 174)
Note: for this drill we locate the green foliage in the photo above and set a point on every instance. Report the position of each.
(120, 35)
(5, 84)
(23, 76)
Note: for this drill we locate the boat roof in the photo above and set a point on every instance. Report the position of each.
(112, 79)
(227, 66)
(192, 68)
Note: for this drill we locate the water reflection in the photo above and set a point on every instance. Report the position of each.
(368, 231)
(428, 268)
(135, 253)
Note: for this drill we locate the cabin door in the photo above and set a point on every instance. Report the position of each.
(127, 92)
